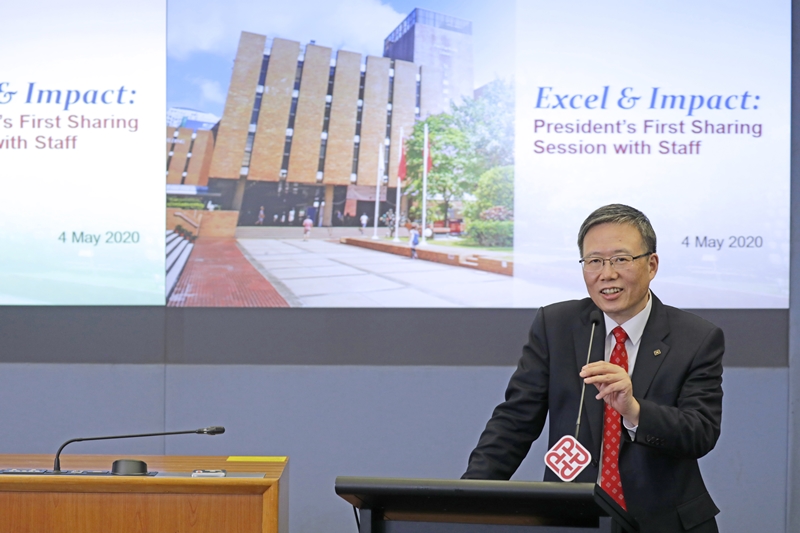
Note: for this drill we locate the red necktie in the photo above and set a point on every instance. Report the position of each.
(610, 479)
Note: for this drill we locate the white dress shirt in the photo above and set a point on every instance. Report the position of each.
(634, 328)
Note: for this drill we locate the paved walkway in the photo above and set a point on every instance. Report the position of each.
(296, 232)
(322, 273)
(218, 275)
(336, 233)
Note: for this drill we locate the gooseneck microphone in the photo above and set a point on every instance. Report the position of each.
(594, 317)
(211, 430)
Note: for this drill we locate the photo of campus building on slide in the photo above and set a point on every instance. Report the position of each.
(290, 198)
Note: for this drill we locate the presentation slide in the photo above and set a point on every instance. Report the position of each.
(389, 154)
(679, 109)
(81, 127)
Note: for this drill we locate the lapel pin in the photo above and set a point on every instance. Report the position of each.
(656, 352)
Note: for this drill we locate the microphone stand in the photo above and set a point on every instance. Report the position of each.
(595, 319)
(213, 430)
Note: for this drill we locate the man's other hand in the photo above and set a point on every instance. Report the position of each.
(614, 387)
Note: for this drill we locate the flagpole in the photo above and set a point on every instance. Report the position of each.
(424, 185)
(399, 185)
(378, 181)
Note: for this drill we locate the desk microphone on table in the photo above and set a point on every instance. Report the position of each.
(132, 466)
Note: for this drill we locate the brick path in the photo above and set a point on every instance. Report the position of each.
(218, 275)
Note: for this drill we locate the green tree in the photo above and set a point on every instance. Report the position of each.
(495, 188)
(454, 165)
(476, 136)
(488, 122)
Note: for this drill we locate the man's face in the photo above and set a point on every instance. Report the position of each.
(620, 294)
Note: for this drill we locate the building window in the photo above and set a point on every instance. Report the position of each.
(263, 74)
(387, 141)
(418, 95)
(359, 115)
(251, 130)
(325, 123)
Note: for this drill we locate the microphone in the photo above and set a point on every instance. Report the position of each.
(568, 457)
(211, 430)
(594, 317)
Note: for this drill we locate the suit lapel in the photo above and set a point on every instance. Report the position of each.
(592, 408)
(652, 351)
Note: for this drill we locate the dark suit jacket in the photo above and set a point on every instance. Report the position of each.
(677, 379)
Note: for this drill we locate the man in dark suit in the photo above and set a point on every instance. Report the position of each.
(666, 406)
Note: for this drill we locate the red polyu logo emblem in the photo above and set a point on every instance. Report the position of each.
(567, 458)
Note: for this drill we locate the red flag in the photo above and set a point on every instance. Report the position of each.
(401, 168)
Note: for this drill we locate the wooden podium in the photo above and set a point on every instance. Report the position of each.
(172, 501)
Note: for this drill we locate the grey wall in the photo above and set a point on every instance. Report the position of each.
(403, 421)
(449, 337)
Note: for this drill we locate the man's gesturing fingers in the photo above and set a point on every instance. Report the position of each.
(602, 372)
(614, 387)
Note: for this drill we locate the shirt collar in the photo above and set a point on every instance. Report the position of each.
(634, 327)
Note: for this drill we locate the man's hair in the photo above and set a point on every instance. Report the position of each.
(619, 214)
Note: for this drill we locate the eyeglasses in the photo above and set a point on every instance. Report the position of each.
(617, 262)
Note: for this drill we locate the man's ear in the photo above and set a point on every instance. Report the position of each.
(652, 264)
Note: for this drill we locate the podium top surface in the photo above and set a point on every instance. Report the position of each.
(474, 501)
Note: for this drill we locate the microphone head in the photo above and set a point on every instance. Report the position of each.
(211, 430)
(595, 317)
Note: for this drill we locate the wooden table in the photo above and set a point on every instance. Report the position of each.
(143, 504)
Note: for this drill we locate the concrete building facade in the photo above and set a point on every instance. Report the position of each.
(305, 127)
(310, 116)
(442, 46)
